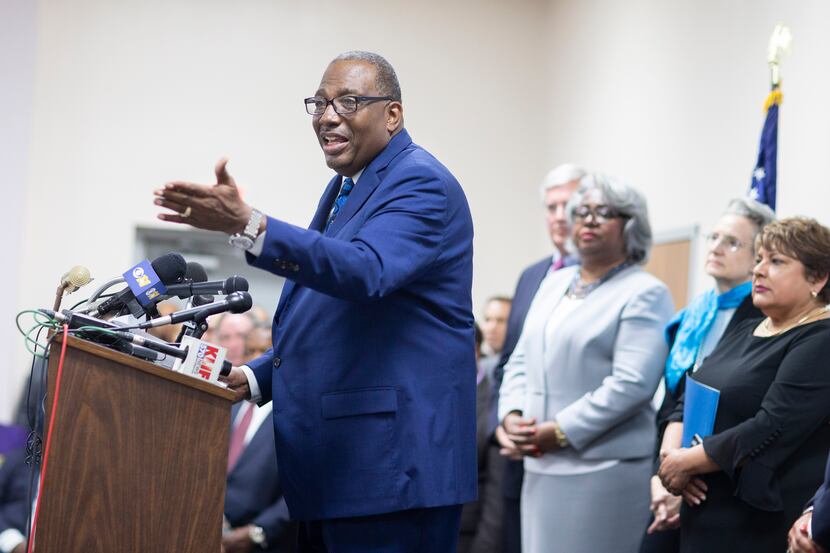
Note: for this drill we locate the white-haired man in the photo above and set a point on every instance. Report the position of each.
(557, 188)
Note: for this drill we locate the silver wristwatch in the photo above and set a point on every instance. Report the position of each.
(245, 239)
(257, 536)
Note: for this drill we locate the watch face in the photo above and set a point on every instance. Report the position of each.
(257, 535)
(240, 241)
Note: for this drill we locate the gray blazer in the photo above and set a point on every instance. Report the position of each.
(601, 370)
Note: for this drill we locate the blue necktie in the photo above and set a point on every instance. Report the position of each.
(348, 184)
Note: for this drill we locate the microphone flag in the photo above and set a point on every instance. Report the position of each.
(144, 283)
(765, 174)
(204, 360)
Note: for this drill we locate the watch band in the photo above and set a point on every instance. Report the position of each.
(245, 239)
(252, 228)
(561, 438)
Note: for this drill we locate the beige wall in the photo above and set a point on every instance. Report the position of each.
(131, 94)
(667, 94)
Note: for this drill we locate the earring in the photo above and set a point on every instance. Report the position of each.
(814, 294)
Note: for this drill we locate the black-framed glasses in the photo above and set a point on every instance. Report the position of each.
(317, 105)
(729, 242)
(600, 213)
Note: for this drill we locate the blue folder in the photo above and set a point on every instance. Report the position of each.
(699, 410)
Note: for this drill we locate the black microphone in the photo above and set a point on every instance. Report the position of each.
(165, 348)
(132, 344)
(170, 268)
(195, 273)
(225, 287)
(237, 302)
(106, 336)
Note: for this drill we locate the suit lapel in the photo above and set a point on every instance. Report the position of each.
(318, 222)
(369, 180)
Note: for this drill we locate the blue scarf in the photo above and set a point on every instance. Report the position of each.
(692, 324)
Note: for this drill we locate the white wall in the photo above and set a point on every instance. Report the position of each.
(667, 94)
(131, 94)
(17, 65)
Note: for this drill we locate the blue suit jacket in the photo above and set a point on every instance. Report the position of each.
(373, 372)
(253, 494)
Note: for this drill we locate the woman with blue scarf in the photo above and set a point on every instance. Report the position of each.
(695, 332)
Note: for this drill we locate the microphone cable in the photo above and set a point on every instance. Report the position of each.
(52, 413)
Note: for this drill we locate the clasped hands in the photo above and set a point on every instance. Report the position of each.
(522, 437)
(678, 478)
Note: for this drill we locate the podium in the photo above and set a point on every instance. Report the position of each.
(138, 457)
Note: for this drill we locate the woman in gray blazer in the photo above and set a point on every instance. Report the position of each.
(575, 400)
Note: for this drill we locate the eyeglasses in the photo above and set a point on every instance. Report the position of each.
(600, 213)
(317, 105)
(729, 242)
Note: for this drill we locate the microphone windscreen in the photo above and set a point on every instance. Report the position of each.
(195, 272)
(76, 277)
(240, 302)
(170, 267)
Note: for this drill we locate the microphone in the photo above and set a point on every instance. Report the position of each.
(195, 273)
(237, 302)
(105, 337)
(225, 287)
(71, 280)
(147, 281)
(202, 364)
(133, 343)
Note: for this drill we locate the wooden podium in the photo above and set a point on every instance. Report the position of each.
(138, 457)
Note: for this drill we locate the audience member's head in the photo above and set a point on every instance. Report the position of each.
(494, 325)
(793, 267)
(257, 342)
(731, 244)
(231, 333)
(168, 333)
(610, 221)
(260, 315)
(557, 187)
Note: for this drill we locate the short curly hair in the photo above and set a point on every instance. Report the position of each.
(804, 239)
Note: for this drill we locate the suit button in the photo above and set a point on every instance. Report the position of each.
(277, 362)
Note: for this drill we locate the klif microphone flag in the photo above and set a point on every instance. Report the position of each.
(203, 360)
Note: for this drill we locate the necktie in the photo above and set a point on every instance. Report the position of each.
(238, 436)
(558, 265)
(348, 184)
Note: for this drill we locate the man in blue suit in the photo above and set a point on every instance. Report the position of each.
(557, 188)
(372, 373)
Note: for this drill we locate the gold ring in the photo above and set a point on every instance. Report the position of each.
(186, 213)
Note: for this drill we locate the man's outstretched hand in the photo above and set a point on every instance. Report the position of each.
(211, 207)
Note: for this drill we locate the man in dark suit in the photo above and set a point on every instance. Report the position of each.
(15, 476)
(255, 509)
(372, 371)
(256, 515)
(811, 532)
(557, 188)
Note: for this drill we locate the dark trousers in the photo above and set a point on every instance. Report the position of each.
(512, 489)
(667, 541)
(433, 530)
